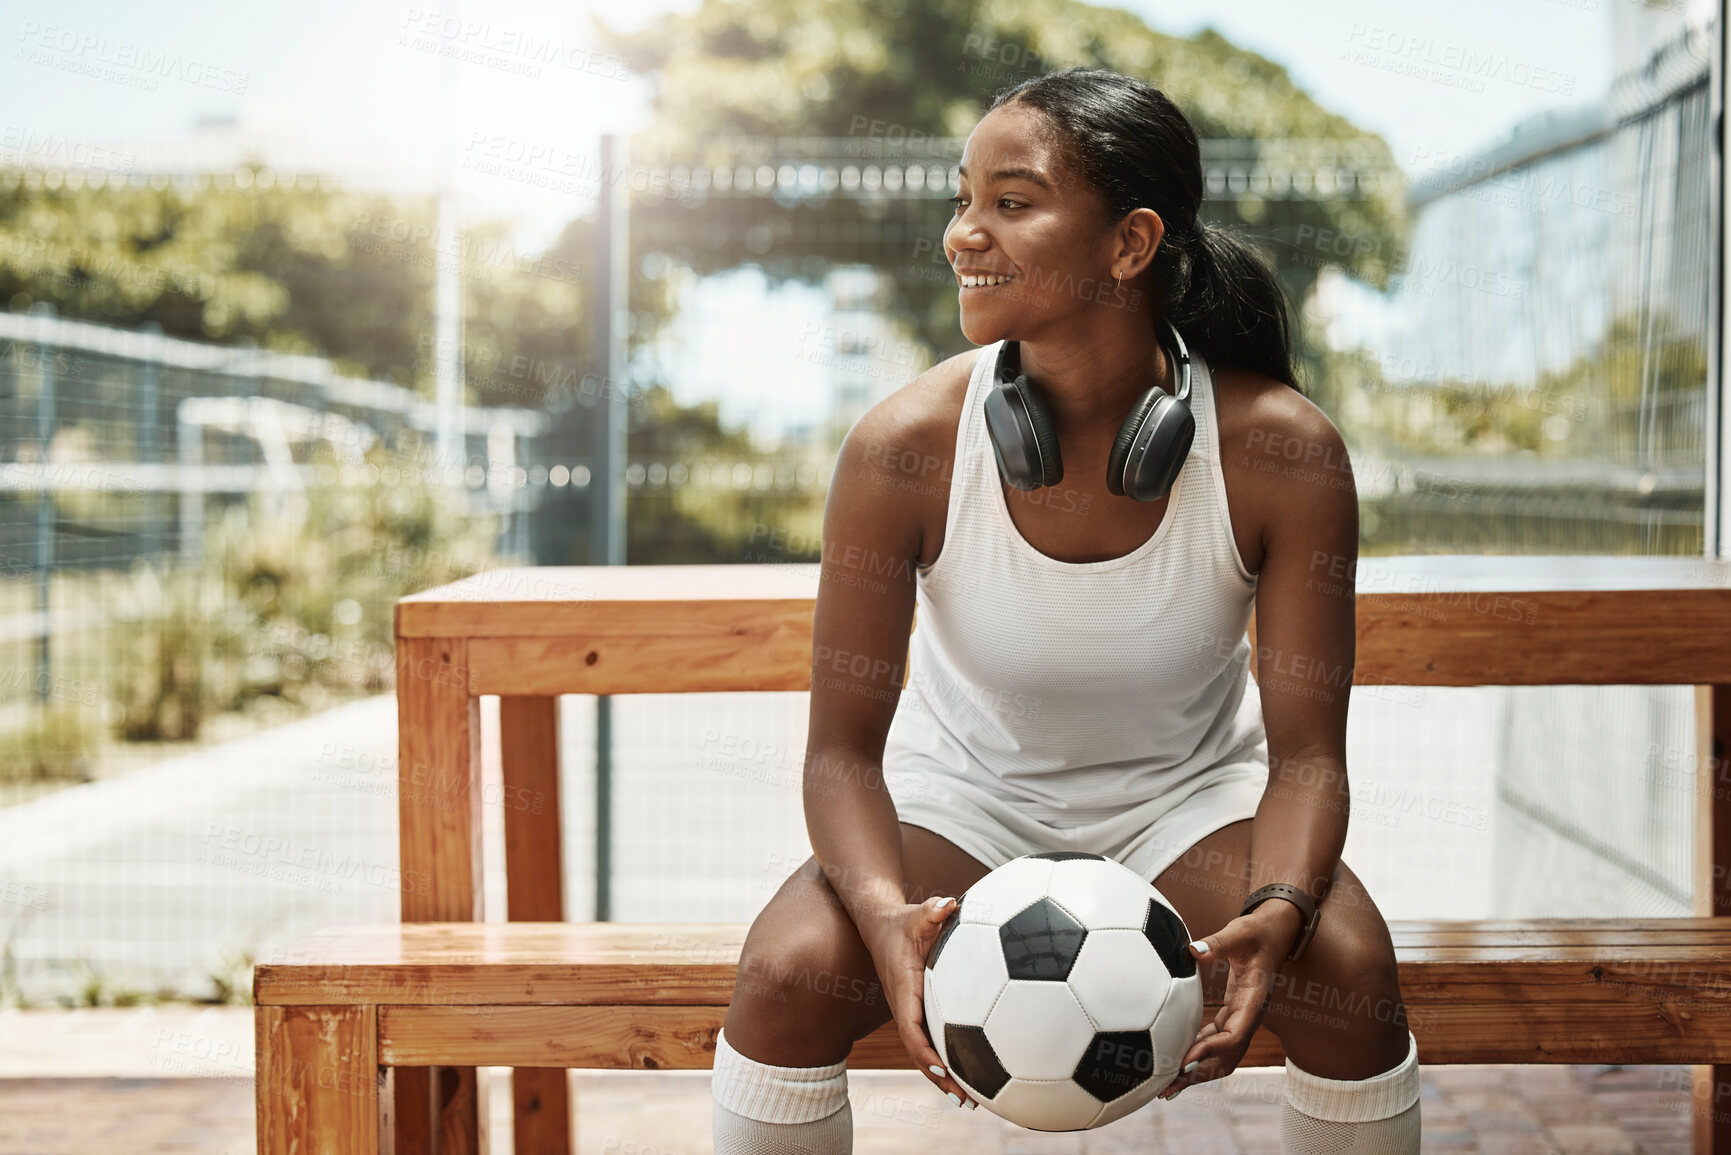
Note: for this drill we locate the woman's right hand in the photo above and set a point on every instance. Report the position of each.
(903, 938)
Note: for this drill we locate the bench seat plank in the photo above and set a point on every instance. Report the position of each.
(683, 1038)
(1647, 967)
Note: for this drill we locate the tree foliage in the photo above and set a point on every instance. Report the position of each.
(907, 70)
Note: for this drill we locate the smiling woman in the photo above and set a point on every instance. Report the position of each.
(1102, 719)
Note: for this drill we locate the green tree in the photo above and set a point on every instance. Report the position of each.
(833, 67)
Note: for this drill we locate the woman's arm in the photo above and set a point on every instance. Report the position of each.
(1305, 645)
(1299, 479)
(889, 482)
(865, 605)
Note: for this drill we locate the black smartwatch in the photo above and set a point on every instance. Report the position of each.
(1306, 906)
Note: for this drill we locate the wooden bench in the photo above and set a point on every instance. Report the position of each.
(369, 1037)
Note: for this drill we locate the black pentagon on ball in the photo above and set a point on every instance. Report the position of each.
(1067, 856)
(972, 1057)
(949, 929)
(1041, 942)
(1165, 931)
(1116, 1063)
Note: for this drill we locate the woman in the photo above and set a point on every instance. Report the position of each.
(1079, 677)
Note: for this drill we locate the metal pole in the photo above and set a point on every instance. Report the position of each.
(44, 511)
(449, 442)
(1717, 520)
(607, 526)
(149, 412)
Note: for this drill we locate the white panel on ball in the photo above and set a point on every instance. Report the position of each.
(1038, 1030)
(1012, 887)
(1176, 1027)
(1056, 1106)
(972, 975)
(1099, 898)
(935, 1020)
(1119, 979)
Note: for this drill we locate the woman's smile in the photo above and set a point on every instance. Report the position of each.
(979, 282)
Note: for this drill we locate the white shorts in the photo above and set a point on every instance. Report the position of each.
(1147, 838)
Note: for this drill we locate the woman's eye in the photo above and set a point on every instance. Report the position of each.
(959, 202)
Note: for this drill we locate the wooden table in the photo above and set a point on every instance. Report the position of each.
(528, 635)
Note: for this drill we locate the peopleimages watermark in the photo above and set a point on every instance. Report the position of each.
(419, 243)
(1445, 62)
(20, 146)
(1532, 187)
(121, 61)
(548, 165)
(279, 859)
(503, 48)
(1416, 271)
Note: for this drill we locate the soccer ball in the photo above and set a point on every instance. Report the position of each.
(1060, 993)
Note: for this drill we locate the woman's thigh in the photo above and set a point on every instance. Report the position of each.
(807, 986)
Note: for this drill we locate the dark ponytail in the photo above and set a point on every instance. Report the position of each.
(1128, 140)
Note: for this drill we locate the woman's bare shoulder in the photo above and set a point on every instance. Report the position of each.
(921, 417)
(904, 447)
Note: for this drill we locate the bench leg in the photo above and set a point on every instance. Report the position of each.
(434, 1109)
(534, 892)
(317, 1080)
(1710, 1098)
(541, 1109)
(1710, 1123)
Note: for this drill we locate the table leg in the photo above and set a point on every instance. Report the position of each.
(317, 1080)
(439, 846)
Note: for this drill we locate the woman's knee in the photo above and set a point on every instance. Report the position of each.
(806, 986)
(1346, 985)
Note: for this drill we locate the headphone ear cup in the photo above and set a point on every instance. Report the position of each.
(1021, 435)
(1127, 432)
(1171, 428)
(1045, 436)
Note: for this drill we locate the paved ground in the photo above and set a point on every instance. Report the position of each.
(179, 1079)
(170, 876)
(1493, 1110)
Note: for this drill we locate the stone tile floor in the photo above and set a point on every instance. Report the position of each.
(1496, 1110)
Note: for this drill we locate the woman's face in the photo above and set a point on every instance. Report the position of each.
(1021, 213)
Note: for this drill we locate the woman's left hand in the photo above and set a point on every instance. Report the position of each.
(1254, 946)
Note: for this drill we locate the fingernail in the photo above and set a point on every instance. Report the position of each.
(936, 1070)
(945, 901)
(954, 1098)
(973, 1106)
(1199, 947)
(1191, 1066)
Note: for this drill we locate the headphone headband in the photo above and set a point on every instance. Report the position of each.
(1152, 443)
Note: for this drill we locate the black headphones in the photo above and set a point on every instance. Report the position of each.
(1152, 443)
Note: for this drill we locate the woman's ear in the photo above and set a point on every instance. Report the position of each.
(1142, 232)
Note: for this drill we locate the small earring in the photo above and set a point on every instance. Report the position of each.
(1120, 280)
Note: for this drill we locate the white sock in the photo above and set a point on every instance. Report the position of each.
(765, 1110)
(1374, 1116)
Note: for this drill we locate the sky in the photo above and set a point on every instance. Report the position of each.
(363, 77)
(364, 81)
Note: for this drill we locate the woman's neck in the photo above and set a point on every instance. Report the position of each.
(1091, 385)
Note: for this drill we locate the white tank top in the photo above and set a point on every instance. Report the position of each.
(1075, 690)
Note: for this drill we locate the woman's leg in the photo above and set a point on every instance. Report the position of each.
(1352, 1078)
(807, 989)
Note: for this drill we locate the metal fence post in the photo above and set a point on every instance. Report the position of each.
(612, 329)
(44, 506)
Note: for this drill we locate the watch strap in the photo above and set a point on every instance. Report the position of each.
(1306, 905)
